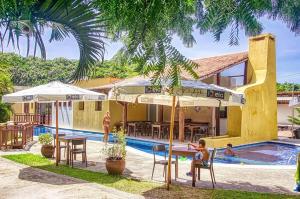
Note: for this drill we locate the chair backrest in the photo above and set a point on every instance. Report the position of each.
(159, 148)
(212, 156)
(77, 142)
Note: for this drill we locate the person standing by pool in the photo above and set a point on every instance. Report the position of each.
(106, 124)
(201, 156)
(229, 151)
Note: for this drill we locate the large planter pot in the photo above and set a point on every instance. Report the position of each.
(297, 133)
(115, 167)
(47, 151)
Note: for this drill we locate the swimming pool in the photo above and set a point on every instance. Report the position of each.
(264, 153)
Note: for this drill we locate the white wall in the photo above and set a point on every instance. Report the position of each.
(65, 115)
(283, 111)
(223, 126)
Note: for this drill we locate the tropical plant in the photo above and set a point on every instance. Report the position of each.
(45, 139)
(285, 87)
(147, 27)
(29, 19)
(116, 151)
(5, 87)
(295, 119)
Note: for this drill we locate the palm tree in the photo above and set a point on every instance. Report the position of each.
(64, 17)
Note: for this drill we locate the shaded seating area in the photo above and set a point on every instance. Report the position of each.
(15, 135)
(160, 130)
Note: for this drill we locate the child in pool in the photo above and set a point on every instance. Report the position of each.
(201, 156)
(229, 151)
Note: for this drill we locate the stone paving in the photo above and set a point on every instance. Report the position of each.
(278, 179)
(19, 181)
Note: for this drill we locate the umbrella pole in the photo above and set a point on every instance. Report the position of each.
(170, 142)
(56, 132)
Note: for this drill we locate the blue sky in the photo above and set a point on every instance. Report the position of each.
(287, 47)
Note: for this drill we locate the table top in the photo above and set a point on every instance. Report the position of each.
(74, 137)
(183, 150)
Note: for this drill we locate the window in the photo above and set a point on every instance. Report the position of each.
(234, 77)
(81, 106)
(98, 106)
(31, 104)
(26, 107)
(69, 104)
(65, 104)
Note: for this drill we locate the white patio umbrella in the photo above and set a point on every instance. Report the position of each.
(190, 93)
(53, 92)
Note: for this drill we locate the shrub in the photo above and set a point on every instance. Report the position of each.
(117, 150)
(45, 139)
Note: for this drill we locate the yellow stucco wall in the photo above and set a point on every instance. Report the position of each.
(93, 83)
(19, 108)
(137, 112)
(257, 119)
(89, 118)
(203, 115)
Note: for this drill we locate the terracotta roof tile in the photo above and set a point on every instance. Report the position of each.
(213, 65)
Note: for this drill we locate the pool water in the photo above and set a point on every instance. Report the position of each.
(264, 153)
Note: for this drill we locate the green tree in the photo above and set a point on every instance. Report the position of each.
(147, 27)
(284, 87)
(5, 87)
(65, 18)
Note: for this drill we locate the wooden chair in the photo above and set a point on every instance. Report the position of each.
(61, 146)
(156, 149)
(210, 167)
(74, 150)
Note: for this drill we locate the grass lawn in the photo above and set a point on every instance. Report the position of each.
(147, 189)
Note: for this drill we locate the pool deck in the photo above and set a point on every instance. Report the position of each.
(277, 179)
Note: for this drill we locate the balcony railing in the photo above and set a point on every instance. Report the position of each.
(15, 136)
(32, 118)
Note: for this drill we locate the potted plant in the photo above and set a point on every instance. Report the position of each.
(116, 153)
(47, 149)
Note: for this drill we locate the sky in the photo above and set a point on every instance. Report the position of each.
(287, 48)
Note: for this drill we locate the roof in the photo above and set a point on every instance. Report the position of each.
(206, 67)
(288, 93)
(286, 96)
(213, 65)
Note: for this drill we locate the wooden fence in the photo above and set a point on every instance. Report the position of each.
(15, 136)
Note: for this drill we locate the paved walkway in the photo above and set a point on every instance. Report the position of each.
(19, 181)
(139, 165)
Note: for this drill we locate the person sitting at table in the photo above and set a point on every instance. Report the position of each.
(201, 156)
(229, 151)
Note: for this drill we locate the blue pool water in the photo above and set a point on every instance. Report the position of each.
(264, 153)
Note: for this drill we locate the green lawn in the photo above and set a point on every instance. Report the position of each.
(147, 189)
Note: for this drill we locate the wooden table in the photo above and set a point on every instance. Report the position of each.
(184, 151)
(68, 139)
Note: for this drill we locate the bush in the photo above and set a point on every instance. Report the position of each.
(118, 150)
(45, 139)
